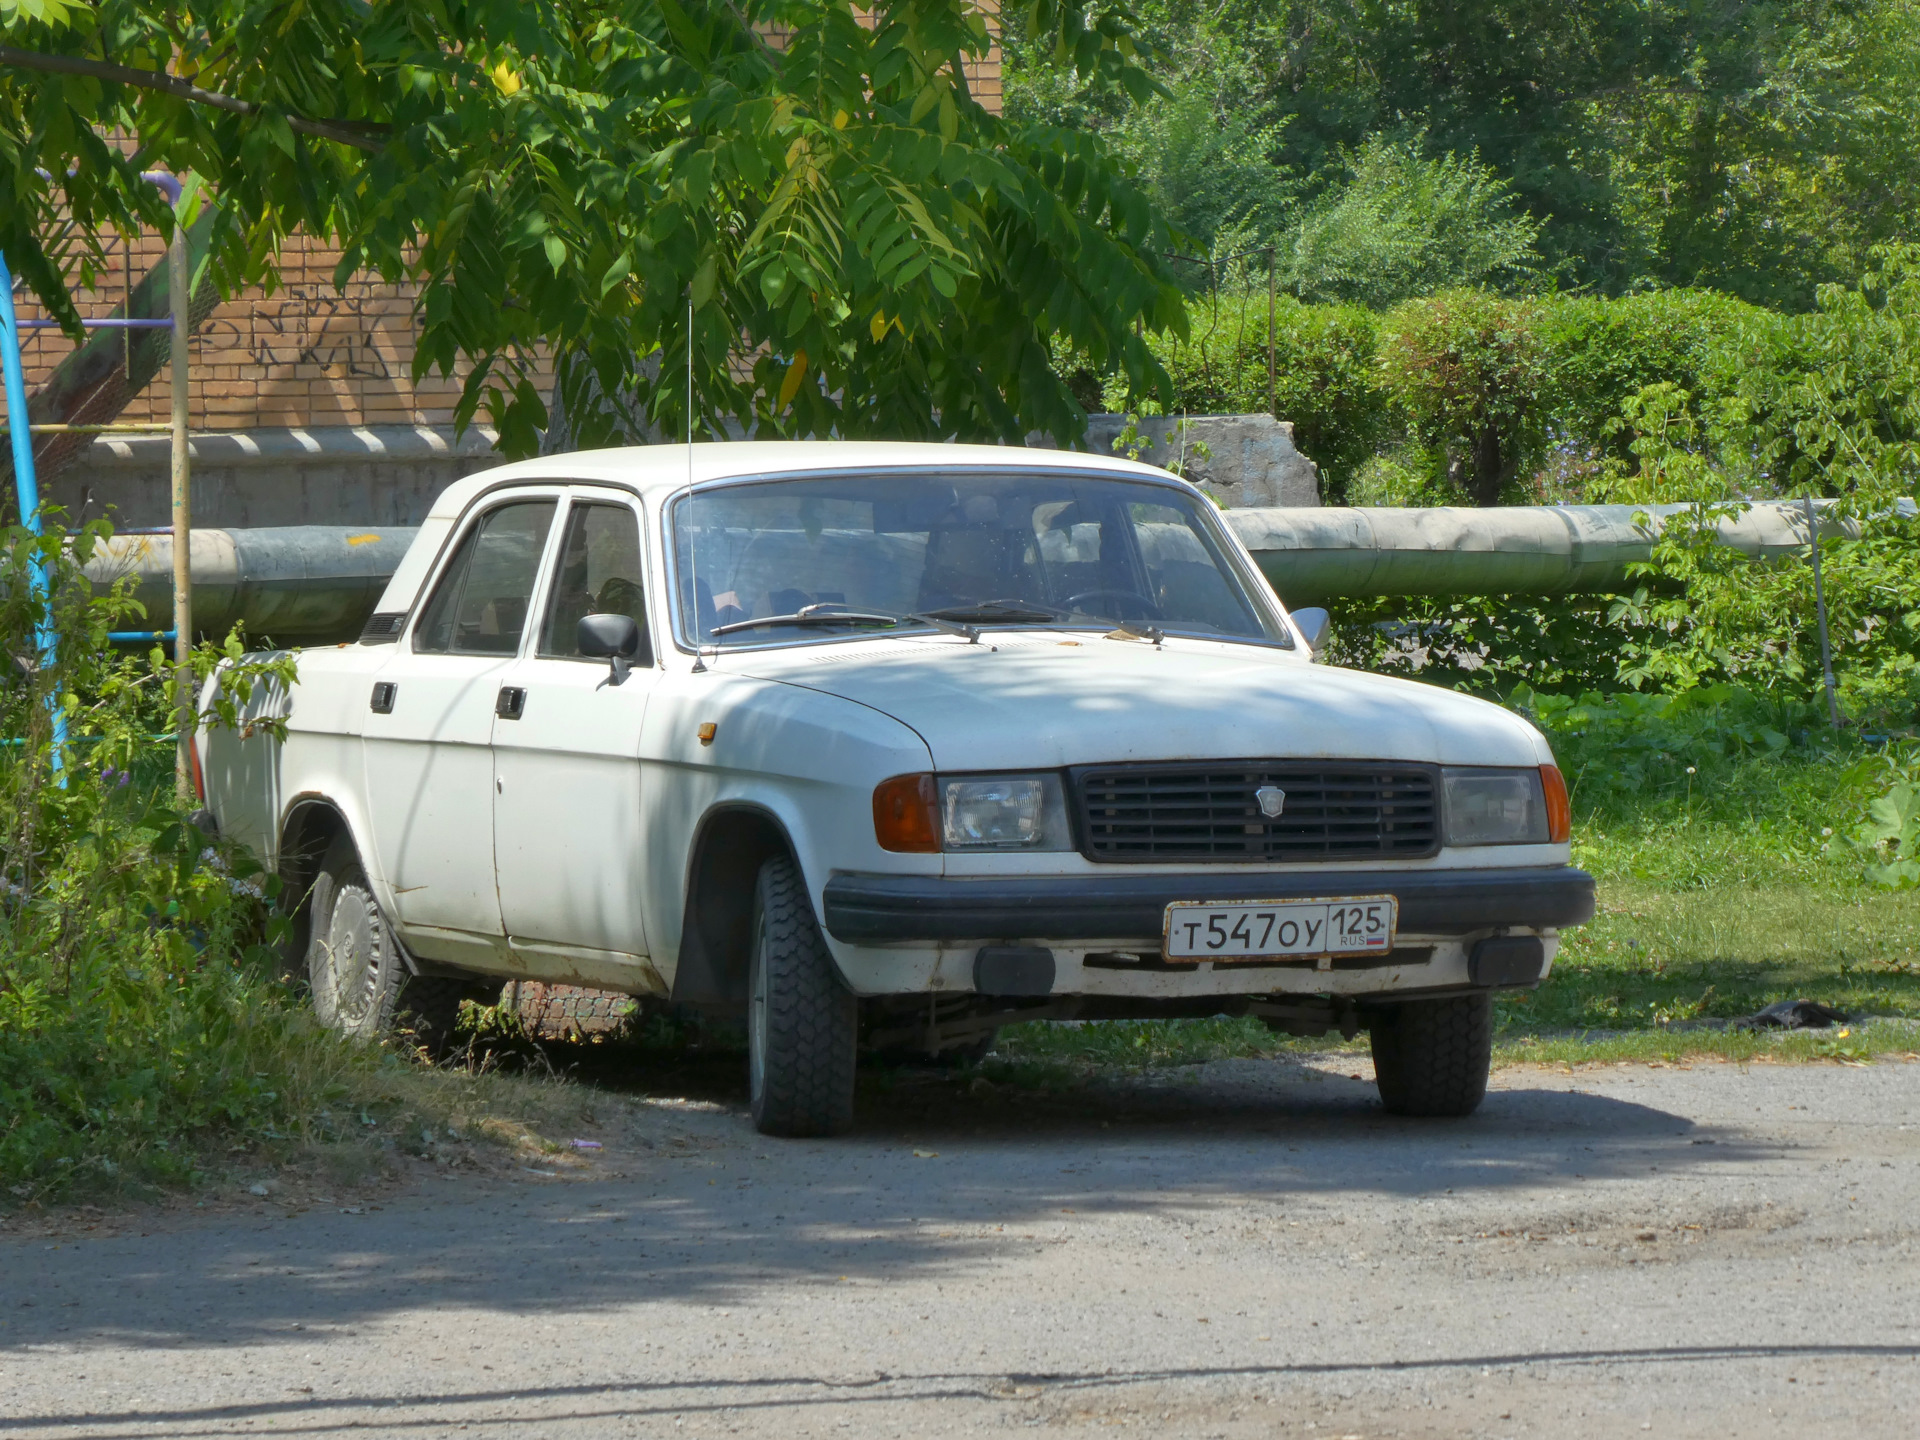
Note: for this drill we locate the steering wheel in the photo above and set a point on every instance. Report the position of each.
(1148, 609)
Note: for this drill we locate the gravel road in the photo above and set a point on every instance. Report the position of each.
(1249, 1248)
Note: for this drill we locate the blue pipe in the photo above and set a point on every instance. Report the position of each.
(130, 637)
(27, 488)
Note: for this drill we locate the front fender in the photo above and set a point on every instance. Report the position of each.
(806, 761)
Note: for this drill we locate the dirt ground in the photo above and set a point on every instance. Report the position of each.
(1249, 1248)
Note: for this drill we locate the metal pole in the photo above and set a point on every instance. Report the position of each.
(1820, 612)
(1273, 403)
(26, 489)
(179, 299)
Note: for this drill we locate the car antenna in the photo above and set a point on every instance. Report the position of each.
(693, 543)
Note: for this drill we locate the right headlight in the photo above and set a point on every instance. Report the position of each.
(928, 813)
(1499, 806)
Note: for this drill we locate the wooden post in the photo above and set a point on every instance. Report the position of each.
(1273, 403)
(179, 302)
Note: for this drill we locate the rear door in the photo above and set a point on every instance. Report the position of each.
(429, 731)
(566, 817)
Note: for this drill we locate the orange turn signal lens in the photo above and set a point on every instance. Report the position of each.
(1559, 811)
(906, 815)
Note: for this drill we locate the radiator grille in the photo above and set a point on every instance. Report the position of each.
(1346, 811)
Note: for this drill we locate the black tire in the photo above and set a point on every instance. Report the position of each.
(1431, 1057)
(354, 966)
(802, 1023)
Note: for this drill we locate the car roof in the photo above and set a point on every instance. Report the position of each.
(652, 469)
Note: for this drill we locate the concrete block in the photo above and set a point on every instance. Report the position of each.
(1250, 460)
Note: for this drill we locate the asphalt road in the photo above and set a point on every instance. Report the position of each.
(1248, 1249)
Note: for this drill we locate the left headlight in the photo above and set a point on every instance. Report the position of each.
(1488, 806)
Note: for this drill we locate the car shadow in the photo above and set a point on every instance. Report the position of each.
(688, 1203)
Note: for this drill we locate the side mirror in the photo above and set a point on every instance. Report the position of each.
(1314, 625)
(613, 638)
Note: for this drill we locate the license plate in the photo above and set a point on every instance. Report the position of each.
(1267, 930)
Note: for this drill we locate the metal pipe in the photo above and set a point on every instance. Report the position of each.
(1312, 555)
(1820, 611)
(26, 489)
(307, 584)
(293, 585)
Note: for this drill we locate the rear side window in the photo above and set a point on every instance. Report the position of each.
(480, 604)
(598, 573)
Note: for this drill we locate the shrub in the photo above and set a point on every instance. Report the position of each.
(1471, 373)
(1326, 382)
(134, 1017)
(1601, 353)
(1829, 402)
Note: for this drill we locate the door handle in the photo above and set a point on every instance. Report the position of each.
(383, 693)
(511, 703)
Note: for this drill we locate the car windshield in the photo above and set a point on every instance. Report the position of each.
(779, 560)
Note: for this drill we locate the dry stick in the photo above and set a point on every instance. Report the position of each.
(344, 132)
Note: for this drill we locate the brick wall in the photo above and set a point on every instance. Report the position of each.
(308, 354)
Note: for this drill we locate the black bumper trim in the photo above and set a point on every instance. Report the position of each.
(886, 909)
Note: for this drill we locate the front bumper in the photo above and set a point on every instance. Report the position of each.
(895, 909)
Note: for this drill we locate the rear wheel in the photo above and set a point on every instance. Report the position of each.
(802, 1023)
(353, 962)
(1431, 1057)
(356, 970)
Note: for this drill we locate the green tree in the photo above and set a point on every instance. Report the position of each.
(1761, 148)
(865, 249)
(1407, 224)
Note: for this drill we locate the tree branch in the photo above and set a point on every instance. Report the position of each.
(341, 132)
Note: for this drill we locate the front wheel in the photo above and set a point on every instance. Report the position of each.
(802, 1023)
(1431, 1057)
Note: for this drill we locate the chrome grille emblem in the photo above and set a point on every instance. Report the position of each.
(1272, 800)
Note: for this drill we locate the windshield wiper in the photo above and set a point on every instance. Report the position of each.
(821, 614)
(1010, 612)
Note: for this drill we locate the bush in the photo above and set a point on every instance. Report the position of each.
(135, 1017)
(1601, 353)
(1471, 372)
(1829, 402)
(1326, 382)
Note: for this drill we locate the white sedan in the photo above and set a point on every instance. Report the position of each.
(892, 744)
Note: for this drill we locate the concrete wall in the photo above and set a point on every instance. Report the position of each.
(390, 474)
(326, 475)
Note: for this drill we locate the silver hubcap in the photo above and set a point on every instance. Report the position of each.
(351, 973)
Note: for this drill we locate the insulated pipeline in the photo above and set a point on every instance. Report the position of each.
(312, 584)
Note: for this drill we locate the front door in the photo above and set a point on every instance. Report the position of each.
(429, 730)
(566, 816)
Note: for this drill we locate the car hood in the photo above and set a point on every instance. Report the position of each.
(1037, 700)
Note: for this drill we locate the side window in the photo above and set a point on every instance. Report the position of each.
(599, 574)
(480, 606)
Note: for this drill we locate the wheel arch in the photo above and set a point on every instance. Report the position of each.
(716, 930)
(309, 827)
